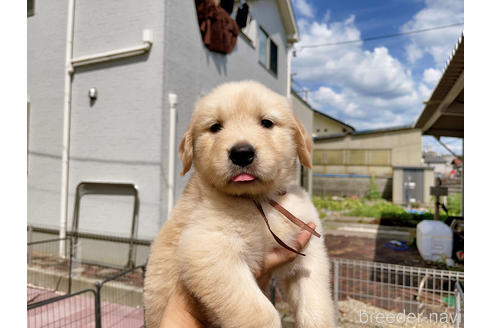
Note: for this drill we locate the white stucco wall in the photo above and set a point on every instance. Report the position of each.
(193, 71)
(123, 135)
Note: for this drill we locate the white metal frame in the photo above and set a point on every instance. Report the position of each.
(398, 288)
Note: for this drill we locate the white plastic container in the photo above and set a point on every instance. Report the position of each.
(434, 240)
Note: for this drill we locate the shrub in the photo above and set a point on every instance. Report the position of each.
(454, 204)
(387, 212)
(373, 192)
(327, 203)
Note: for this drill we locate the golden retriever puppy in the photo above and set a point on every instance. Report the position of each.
(243, 141)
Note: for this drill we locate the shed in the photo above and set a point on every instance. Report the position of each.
(345, 162)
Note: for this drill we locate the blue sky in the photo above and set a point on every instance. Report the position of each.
(380, 83)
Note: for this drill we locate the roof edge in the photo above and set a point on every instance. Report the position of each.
(419, 122)
(289, 20)
(349, 127)
(366, 132)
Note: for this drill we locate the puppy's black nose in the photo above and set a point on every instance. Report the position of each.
(242, 154)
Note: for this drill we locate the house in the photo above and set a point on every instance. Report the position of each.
(441, 164)
(111, 87)
(344, 163)
(314, 120)
(325, 124)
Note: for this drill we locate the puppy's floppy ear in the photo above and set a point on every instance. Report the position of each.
(186, 151)
(304, 144)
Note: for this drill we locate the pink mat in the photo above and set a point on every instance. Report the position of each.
(78, 312)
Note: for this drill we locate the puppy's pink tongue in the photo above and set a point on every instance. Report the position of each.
(243, 177)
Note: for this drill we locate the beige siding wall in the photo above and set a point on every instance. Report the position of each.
(405, 145)
(323, 125)
(397, 187)
(428, 183)
(366, 155)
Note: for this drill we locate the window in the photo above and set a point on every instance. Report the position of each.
(328, 157)
(358, 157)
(273, 57)
(267, 51)
(262, 46)
(30, 8)
(380, 157)
(304, 176)
(249, 31)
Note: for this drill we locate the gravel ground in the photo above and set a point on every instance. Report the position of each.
(353, 313)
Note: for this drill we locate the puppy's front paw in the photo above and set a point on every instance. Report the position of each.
(264, 315)
(312, 320)
(270, 318)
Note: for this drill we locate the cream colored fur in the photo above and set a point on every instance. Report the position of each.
(216, 237)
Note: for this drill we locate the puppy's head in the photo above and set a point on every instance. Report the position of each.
(244, 139)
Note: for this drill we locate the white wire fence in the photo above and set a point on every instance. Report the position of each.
(371, 293)
(48, 273)
(367, 294)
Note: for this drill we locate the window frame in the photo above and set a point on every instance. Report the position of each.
(30, 12)
(380, 157)
(262, 32)
(268, 59)
(248, 32)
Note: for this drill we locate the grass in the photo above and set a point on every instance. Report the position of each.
(387, 212)
(454, 204)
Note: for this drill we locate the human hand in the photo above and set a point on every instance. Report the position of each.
(279, 255)
(184, 311)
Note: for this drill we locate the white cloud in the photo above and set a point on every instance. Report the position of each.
(439, 44)
(327, 16)
(365, 88)
(370, 88)
(431, 76)
(325, 96)
(414, 52)
(304, 8)
(373, 72)
(425, 91)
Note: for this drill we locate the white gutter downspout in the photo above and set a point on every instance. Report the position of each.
(290, 49)
(70, 63)
(116, 54)
(66, 124)
(173, 100)
(289, 74)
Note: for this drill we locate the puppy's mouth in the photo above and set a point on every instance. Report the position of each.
(244, 177)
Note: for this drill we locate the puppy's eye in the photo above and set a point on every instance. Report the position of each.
(216, 128)
(266, 123)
